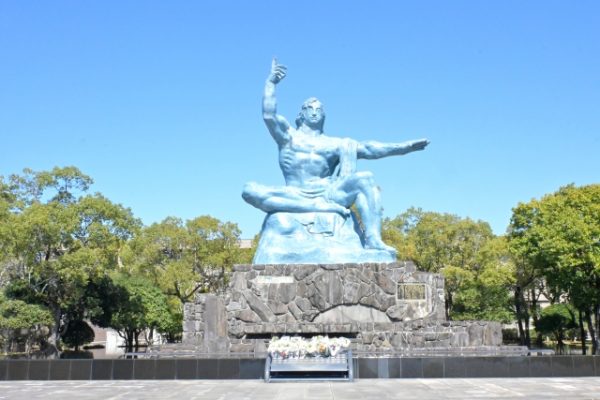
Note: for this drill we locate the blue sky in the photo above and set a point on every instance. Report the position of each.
(160, 101)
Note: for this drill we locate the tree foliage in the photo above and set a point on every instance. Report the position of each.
(132, 305)
(556, 320)
(77, 334)
(60, 248)
(184, 258)
(21, 322)
(61, 240)
(474, 263)
(557, 239)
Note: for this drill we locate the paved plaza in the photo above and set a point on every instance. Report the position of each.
(364, 389)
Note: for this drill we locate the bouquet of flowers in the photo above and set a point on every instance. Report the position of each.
(297, 347)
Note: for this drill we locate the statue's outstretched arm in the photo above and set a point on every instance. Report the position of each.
(373, 150)
(277, 125)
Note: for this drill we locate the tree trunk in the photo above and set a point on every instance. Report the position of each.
(519, 312)
(559, 342)
(525, 317)
(582, 333)
(591, 330)
(28, 345)
(597, 320)
(7, 340)
(527, 333)
(149, 336)
(521, 331)
(448, 305)
(129, 340)
(137, 341)
(539, 340)
(50, 348)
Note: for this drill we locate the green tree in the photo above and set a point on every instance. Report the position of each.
(7, 202)
(132, 306)
(529, 281)
(62, 239)
(23, 322)
(61, 185)
(474, 263)
(488, 295)
(184, 258)
(77, 334)
(556, 320)
(558, 237)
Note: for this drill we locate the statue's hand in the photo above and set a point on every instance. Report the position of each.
(278, 72)
(419, 144)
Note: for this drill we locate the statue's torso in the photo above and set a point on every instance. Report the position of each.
(308, 161)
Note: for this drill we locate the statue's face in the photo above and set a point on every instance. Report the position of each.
(313, 114)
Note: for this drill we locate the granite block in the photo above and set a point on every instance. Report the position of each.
(187, 369)
(252, 368)
(395, 367)
(583, 366)
(208, 369)
(61, 369)
(518, 367)
(166, 369)
(383, 369)
(412, 367)
(18, 370)
(123, 369)
(39, 370)
(367, 368)
(486, 367)
(3, 369)
(540, 366)
(144, 369)
(229, 368)
(102, 369)
(433, 367)
(562, 366)
(454, 367)
(80, 370)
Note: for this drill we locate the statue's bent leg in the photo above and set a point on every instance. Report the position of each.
(360, 189)
(288, 199)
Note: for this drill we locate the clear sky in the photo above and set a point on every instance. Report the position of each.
(160, 102)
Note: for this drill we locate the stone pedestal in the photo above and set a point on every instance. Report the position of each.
(380, 307)
(205, 324)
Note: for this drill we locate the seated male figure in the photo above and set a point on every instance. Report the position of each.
(319, 170)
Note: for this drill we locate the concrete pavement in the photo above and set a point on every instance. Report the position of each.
(364, 389)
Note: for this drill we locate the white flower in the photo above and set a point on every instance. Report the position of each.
(297, 347)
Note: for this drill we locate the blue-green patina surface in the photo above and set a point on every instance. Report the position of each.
(309, 220)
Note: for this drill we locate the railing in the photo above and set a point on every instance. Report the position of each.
(191, 353)
(541, 352)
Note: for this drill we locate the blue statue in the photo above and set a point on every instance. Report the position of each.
(309, 219)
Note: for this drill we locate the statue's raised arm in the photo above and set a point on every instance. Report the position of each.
(327, 211)
(372, 150)
(277, 125)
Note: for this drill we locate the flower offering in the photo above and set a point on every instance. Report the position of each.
(297, 347)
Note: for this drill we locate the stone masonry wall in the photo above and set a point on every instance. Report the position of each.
(380, 306)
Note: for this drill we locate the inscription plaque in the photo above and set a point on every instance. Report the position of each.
(411, 291)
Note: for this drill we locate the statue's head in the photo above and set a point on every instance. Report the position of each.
(312, 114)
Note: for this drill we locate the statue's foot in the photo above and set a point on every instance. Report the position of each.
(343, 211)
(377, 244)
(326, 206)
